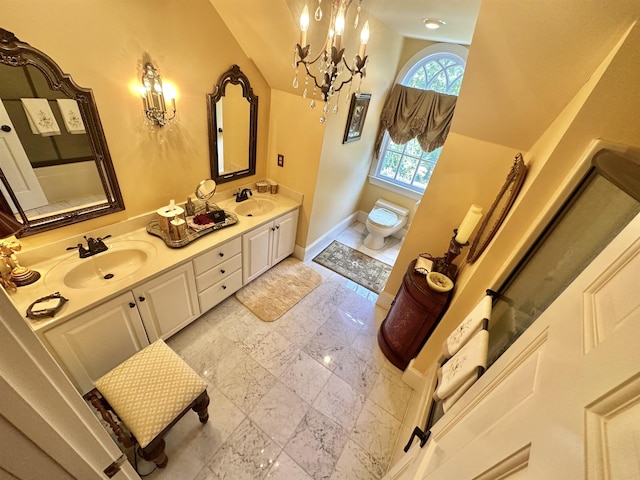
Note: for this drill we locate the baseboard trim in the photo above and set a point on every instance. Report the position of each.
(423, 385)
(385, 300)
(321, 243)
(415, 416)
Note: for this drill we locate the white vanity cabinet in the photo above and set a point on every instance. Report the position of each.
(268, 244)
(94, 342)
(169, 302)
(218, 273)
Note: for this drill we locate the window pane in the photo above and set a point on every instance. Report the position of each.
(432, 156)
(395, 147)
(407, 169)
(390, 164)
(413, 148)
(423, 174)
(408, 165)
(419, 80)
(439, 83)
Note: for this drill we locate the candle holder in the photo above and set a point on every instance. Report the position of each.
(445, 264)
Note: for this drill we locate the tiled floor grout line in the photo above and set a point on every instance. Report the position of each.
(364, 392)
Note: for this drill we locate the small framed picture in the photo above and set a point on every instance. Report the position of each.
(355, 119)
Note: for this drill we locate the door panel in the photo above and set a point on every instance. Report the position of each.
(567, 391)
(16, 167)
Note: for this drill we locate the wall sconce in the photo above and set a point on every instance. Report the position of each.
(155, 97)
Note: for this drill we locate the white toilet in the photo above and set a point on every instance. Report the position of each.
(384, 219)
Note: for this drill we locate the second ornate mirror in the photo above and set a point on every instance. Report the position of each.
(233, 127)
(498, 211)
(55, 167)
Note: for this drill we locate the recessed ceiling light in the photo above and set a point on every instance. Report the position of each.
(432, 23)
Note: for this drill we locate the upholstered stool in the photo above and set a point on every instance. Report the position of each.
(150, 392)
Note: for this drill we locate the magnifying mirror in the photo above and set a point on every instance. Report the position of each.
(205, 189)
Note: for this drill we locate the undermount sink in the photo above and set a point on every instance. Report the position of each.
(254, 207)
(118, 263)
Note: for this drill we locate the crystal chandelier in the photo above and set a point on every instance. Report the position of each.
(332, 71)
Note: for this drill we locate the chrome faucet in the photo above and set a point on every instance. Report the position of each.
(241, 196)
(94, 246)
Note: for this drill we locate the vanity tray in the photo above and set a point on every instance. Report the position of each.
(193, 234)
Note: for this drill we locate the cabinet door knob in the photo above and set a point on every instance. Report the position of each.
(221, 254)
(277, 227)
(224, 287)
(132, 305)
(142, 299)
(222, 271)
(5, 128)
(273, 229)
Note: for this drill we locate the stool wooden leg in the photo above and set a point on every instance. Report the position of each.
(100, 405)
(154, 452)
(200, 407)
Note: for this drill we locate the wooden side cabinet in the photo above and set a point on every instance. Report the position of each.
(413, 316)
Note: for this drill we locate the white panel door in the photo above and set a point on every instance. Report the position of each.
(16, 167)
(96, 341)
(284, 236)
(564, 400)
(169, 302)
(256, 252)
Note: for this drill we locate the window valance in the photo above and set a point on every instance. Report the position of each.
(414, 113)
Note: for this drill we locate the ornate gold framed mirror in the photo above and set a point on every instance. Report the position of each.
(233, 127)
(55, 167)
(499, 209)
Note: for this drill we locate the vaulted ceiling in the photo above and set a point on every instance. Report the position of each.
(527, 58)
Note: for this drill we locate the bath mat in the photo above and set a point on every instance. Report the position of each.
(274, 292)
(354, 265)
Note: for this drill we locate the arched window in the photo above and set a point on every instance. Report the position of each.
(407, 168)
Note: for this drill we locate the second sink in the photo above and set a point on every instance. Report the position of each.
(121, 261)
(254, 207)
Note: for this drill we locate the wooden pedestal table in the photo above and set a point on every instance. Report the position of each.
(413, 316)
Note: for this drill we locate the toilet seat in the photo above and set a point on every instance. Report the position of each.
(383, 218)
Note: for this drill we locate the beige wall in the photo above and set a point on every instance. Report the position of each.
(343, 168)
(295, 133)
(469, 171)
(607, 109)
(102, 45)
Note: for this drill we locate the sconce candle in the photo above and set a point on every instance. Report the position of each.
(153, 97)
(468, 224)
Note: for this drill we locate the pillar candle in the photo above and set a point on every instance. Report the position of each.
(468, 224)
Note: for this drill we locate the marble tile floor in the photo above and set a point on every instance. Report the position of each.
(309, 396)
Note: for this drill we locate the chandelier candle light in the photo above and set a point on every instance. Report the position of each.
(334, 71)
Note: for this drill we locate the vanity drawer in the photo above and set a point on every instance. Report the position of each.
(217, 255)
(216, 293)
(219, 272)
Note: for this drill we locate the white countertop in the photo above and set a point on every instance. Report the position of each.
(46, 258)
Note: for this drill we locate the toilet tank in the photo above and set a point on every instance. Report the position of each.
(397, 209)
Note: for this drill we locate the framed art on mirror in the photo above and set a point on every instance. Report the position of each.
(355, 119)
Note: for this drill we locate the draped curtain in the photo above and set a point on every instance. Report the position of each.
(414, 113)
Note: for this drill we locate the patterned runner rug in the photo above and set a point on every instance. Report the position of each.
(355, 265)
(274, 292)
